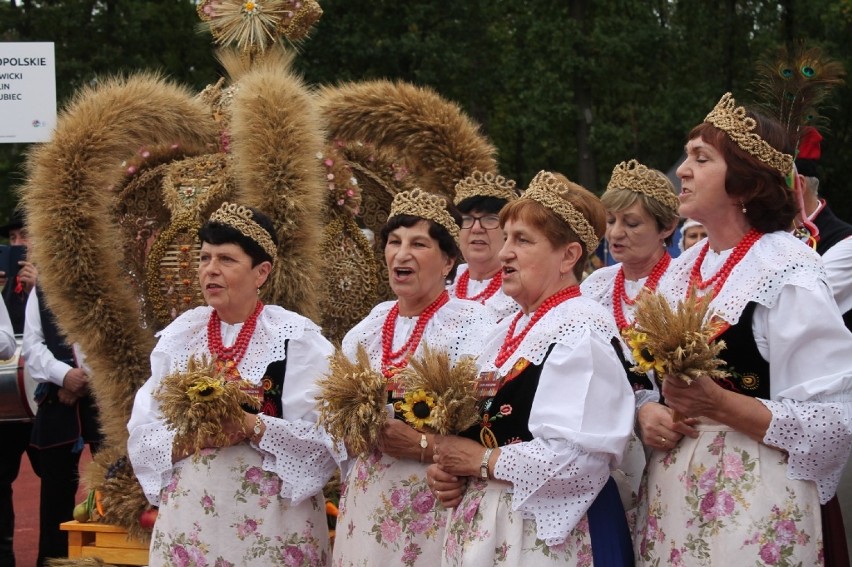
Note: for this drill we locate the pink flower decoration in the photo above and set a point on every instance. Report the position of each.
(180, 556)
(399, 499)
(254, 474)
(771, 553)
(423, 502)
(733, 466)
(328, 162)
(390, 530)
(293, 556)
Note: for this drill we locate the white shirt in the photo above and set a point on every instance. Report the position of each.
(500, 304)
(8, 345)
(838, 269)
(41, 363)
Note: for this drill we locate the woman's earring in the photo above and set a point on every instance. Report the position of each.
(744, 207)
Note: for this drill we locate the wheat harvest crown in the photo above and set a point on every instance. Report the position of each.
(479, 184)
(633, 176)
(425, 205)
(545, 189)
(240, 218)
(727, 116)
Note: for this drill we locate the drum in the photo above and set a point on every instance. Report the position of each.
(16, 389)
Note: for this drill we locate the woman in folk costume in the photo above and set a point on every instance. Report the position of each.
(480, 197)
(388, 516)
(641, 215)
(257, 499)
(530, 483)
(744, 485)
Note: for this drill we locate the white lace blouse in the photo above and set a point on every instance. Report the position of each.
(581, 417)
(799, 331)
(501, 304)
(292, 446)
(599, 286)
(458, 327)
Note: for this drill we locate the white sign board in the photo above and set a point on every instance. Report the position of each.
(27, 92)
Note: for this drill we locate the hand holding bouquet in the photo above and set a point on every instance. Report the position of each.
(201, 406)
(676, 342)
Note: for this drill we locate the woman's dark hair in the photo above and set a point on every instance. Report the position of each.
(769, 202)
(487, 205)
(445, 241)
(219, 233)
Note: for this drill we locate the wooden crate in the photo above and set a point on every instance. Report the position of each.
(106, 542)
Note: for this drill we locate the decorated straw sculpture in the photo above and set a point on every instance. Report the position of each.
(352, 401)
(439, 395)
(676, 342)
(196, 403)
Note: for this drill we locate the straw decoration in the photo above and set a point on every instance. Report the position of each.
(195, 404)
(439, 395)
(352, 401)
(676, 342)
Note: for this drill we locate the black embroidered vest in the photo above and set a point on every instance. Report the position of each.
(637, 380)
(273, 384)
(749, 371)
(504, 417)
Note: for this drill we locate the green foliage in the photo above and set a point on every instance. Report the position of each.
(650, 69)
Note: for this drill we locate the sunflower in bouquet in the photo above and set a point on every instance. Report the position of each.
(676, 342)
(197, 402)
(439, 396)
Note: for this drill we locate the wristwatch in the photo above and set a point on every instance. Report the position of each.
(423, 444)
(483, 466)
(258, 424)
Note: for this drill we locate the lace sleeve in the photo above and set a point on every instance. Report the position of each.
(817, 437)
(149, 446)
(558, 474)
(300, 453)
(552, 485)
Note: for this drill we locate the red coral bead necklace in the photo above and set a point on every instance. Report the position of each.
(512, 341)
(718, 279)
(619, 294)
(484, 295)
(235, 352)
(393, 361)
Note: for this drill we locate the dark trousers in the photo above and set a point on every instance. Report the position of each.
(14, 440)
(58, 469)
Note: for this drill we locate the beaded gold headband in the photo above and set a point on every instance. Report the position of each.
(544, 189)
(479, 184)
(733, 120)
(633, 176)
(240, 218)
(425, 205)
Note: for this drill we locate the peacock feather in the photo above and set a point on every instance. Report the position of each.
(793, 83)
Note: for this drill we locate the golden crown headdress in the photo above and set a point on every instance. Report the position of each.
(727, 116)
(479, 184)
(633, 176)
(425, 205)
(240, 217)
(545, 189)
